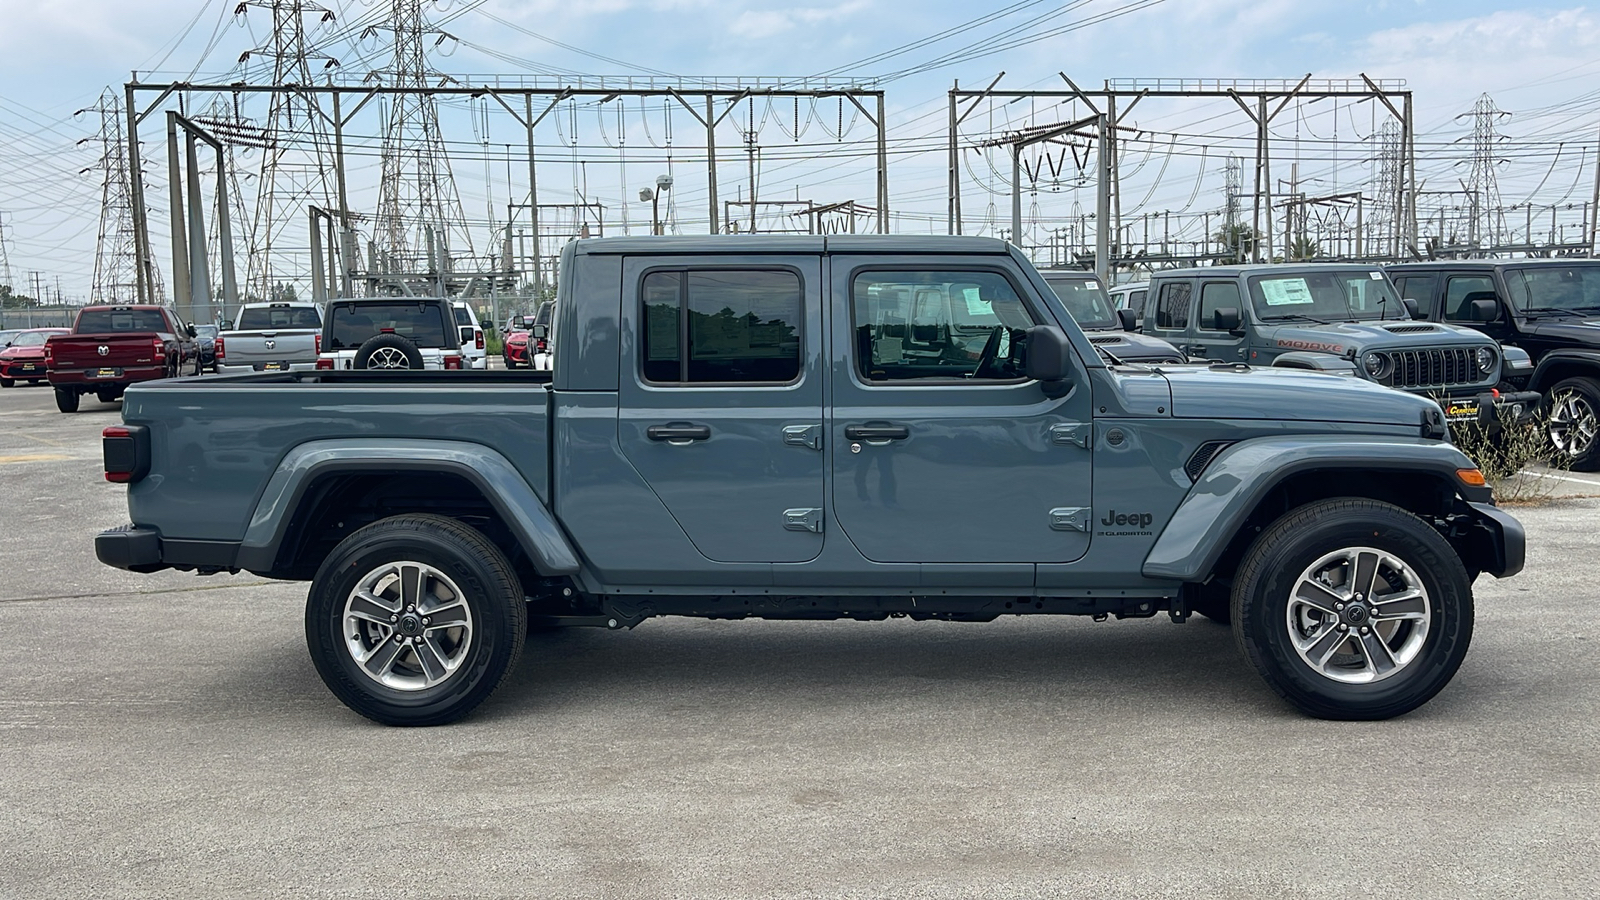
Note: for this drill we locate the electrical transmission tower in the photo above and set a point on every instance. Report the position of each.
(5, 258)
(1485, 223)
(296, 150)
(115, 263)
(1387, 214)
(419, 210)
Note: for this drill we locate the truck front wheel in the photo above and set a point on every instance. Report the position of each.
(66, 400)
(1353, 609)
(1574, 423)
(415, 620)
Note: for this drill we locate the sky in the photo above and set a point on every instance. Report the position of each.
(1539, 64)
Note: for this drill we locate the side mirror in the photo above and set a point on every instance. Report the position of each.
(1225, 318)
(1049, 359)
(1411, 308)
(191, 330)
(1485, 310)
(1128, 318)
(539, 332)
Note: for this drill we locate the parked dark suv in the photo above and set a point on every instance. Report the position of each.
(1550, 308)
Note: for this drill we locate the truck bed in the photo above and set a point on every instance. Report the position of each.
(219, 438)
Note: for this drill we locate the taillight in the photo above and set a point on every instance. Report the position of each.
(126, 450)
(452, 362)
(478, 336)
(49, 356)
(158, 349)
(221, 349)
(325, 363)
(539, 347)
(319, 345)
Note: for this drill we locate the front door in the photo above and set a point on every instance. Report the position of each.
(942, 450)
(721, 400)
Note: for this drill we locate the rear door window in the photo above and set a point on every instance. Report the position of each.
(732, 326)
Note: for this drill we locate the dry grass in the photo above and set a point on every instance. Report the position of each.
(1504, 455)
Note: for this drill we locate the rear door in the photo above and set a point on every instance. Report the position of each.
(943, 452)
(720, 396)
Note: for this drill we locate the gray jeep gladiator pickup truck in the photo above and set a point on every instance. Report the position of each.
(746, 427)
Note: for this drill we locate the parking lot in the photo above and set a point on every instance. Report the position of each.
(166, 735)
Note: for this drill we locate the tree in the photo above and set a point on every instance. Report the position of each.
(1238, 243)
(9, 300)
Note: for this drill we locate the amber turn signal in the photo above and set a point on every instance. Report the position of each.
(1471, 476)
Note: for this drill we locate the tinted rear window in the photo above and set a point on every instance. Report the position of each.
(105, 321)
(422, 323)
(267, 318)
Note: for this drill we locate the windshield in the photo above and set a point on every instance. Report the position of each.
(33, 338)
(1084, 299)
(264, 318)
(106, 321)
(1339, 296)
(1574, 288)
(421, 323)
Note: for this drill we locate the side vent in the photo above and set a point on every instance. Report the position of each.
(1112, 339)
(1410, 329)
(1202, 457)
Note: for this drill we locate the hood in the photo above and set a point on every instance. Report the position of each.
(1130, 346)
(23, 352)
(1340, 338)
(1574, 330)
(1205, 392)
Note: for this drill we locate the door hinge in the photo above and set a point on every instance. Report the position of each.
(803, 436)
(1070, 518)
(1077, 434)
(803, 520)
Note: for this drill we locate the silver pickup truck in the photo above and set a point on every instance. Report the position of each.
(271, 337)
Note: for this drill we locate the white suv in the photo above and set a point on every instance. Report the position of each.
(472, 348)
(389, 333)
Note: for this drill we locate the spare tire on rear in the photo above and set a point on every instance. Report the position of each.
(388, 351)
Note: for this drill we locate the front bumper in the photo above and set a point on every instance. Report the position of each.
(1492, 409)
(23, 369)
(1496, 543)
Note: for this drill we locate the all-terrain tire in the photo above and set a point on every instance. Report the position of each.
(388, 351)
(1375, 642)
(415, 620)
(66, 400)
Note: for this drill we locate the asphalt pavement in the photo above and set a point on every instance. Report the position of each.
(166, 736)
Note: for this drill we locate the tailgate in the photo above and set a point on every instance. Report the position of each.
(245, 348)
(106, 351)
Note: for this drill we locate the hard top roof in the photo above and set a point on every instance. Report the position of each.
(1492, 263)
(791, 243)
(1262, 269)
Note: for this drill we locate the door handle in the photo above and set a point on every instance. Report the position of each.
(679, 432)
(876, 432)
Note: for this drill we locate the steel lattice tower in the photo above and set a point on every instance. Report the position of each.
(1486, 222)
(115, 263)
(296, 154)
(5, 259)
(418, 207)
(1383, 230)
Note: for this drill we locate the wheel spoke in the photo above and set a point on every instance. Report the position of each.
(1379, 659)
(369, 606)
(1318, 596)
(410, 585)
(431, 657)
(450, 615)
(1328, 642)
(1364, 573)
(381, 660)
(1403, 605)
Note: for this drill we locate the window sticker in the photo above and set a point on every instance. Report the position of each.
(1287, 292)
(1375, 276)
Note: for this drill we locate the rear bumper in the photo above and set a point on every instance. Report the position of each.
(139, 549)
(1498, 545)
(224, 368)
(79, 378)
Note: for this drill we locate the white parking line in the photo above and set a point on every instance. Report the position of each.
(1572, 478)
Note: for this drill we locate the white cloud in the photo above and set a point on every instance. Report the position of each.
(760, 24)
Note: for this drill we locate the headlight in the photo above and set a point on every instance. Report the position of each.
(1376, 364)
(1485, 360)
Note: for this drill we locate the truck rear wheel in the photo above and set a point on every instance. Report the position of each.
(415, 620)
(66, 400)
(1353, 609)
(1574, 422)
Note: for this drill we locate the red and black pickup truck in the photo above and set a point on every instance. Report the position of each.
(111, 347)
